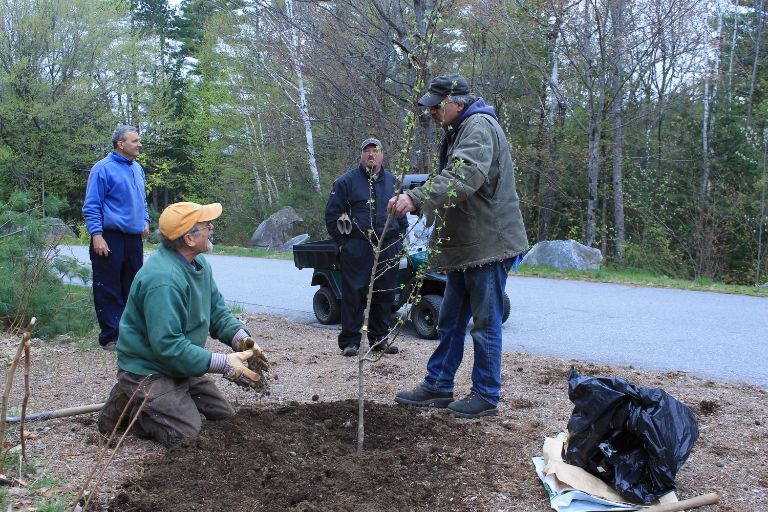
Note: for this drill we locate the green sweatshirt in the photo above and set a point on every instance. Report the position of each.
(171, 310)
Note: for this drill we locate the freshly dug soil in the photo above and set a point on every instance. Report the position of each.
(294, 448)
(302, 457)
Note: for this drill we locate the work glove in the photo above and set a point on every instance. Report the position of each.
(344, 224)
(259, 359)
(236, 371)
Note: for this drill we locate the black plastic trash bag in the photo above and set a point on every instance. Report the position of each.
(634, 438)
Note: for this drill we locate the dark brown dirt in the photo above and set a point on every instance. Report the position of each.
(293, 448)
(302, 457)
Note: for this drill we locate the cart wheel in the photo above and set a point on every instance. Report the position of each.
(424, 316)
(507, 307)
(326, 306)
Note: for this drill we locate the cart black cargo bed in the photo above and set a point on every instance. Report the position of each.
(320, 255)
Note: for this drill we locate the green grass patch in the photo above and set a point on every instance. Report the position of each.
(60, 504)
(251, 252)
(45, 494)
(637, 277)
(235, 250)
(236, 308)
(225, 250)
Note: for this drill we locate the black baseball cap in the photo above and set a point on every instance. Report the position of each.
(442, 86)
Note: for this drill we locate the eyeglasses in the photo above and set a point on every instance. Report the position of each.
(208, 226)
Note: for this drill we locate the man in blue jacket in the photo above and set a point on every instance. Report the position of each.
(117, 217)
(361, 195)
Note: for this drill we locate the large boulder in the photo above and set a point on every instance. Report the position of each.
(56, 228)
(288, 246)
(53, 227)
(564, 255)
(277, 229)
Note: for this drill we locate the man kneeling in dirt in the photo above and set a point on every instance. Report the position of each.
(172, 307)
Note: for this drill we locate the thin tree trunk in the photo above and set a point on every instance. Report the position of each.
(539, 162)
(593, 173)
(703, 235)
(761, 224)
(553, 107)
(254, 168)
(756, 59)
(595, 105)
(260, 148)
(732, 55)
(617, 15)
(303, 105)
(704, 183)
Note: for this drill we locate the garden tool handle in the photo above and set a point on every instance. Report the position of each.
(698, 501)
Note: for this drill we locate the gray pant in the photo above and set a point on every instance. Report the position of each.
(173, 408)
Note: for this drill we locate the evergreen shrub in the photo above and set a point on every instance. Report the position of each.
(31, 273)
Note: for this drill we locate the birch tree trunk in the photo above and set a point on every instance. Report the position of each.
(254, 168)
(263, 156)
(702, 235)
(303, 105)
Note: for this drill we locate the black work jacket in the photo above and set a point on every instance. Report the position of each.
(352, 193)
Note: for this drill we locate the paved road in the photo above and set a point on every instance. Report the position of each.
(712, 335)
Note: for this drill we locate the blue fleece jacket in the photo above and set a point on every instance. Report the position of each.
(116, 197)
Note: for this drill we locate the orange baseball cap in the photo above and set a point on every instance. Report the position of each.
(179, 218)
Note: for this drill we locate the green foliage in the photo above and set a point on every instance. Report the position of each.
(31, 279)
(212, 91)
(652, 251)
(51, 110)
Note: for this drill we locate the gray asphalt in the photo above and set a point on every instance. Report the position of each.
(711, 335)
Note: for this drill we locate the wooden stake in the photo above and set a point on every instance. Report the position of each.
(27, 344)
(698, 501)
(9, 384)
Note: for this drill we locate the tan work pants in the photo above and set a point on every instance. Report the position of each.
(173, 406)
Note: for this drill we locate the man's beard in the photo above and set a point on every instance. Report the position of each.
(209, 245)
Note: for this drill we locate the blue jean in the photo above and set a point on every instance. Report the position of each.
(477, 292)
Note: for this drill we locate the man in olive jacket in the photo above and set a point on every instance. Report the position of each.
(478, 234)
(173, 306)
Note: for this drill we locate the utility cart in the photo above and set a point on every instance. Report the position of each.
(322, 256)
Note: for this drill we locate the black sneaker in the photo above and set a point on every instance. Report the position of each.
(422, 397)
(473, 406)
(383, 347)
(349, 351)
(113, 408)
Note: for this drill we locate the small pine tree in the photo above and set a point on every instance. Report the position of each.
(31, 273)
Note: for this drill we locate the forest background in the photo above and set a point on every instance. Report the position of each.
(638, 126)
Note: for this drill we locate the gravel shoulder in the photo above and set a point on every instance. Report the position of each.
(306, 367)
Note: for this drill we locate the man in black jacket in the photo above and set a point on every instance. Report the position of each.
(355, 216)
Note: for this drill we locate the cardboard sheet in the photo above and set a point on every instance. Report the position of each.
(572, 489)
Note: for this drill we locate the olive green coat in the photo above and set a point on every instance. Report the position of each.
(473, 201)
